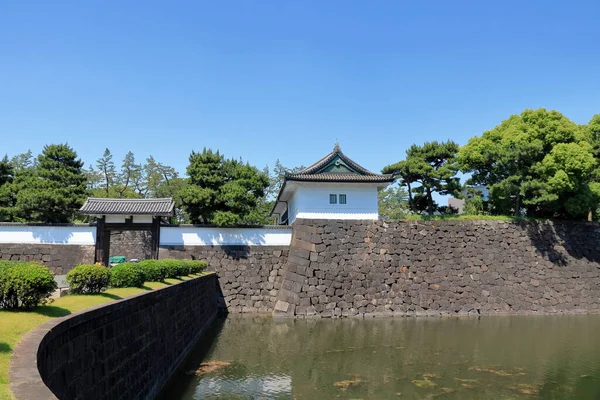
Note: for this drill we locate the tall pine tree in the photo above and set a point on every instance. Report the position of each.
(220, 191)
(55, 190)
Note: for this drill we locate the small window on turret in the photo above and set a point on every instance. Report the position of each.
(342, 199)
(333, 199)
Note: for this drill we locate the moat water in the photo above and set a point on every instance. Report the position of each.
(519, 357)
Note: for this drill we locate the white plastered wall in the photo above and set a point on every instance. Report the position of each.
(209, 236)
(73, 235)
(312, 202)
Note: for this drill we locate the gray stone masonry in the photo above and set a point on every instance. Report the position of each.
(131, 244)
(126, 349)
(249, 276)
(376, 268)
(60, 258)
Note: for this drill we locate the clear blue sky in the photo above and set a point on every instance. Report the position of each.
(283, 79)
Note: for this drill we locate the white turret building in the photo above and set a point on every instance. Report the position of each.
(334, 187)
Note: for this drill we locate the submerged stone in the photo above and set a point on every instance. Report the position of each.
(424, 383)
(344, 385)
(209, 367)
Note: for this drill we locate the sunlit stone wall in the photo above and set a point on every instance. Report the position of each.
(354, 268)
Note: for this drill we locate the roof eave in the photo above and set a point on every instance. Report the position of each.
(91, 213)
(315, 178)
(278, 199)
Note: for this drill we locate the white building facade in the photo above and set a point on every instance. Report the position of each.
(334, 187)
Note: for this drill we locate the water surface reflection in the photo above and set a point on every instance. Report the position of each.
(549, 357)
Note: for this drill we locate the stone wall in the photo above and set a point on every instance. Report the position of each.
(249, 276)
(59, 258)
(131, 244)
(353, 268)
(124, 350)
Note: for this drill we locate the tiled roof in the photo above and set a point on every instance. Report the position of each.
(157, 207)
(318, 172)
(339, 177)
(334, 167)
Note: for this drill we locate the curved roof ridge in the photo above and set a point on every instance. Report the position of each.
(323, 162)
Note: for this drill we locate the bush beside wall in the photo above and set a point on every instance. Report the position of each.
(88, 278)
(126, 275)
(24, 284)
(135, 274)
(28, 284)
(153, 270)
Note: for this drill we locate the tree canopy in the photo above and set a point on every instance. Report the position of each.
(538, 163)
(393, 203)
(221, 191)
(53, 191)
(427, 169)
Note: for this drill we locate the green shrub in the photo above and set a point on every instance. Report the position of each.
(175, 268)
(88, 279)
(25, 284)
(196, 266)
(4, 288)
(126, 275)
(153, 270)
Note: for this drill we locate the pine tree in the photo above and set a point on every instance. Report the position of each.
(55, 190)
(106, 167)
(6, 194)
(220, 191)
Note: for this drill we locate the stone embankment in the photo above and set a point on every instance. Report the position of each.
(249, 276)
(354, 268)
(126, 349)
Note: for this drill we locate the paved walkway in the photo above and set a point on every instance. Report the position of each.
(61, 281)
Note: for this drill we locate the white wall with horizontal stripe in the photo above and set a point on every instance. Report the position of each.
(68, 235)
(207, 236)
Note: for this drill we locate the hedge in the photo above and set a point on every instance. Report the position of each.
(28, 284)
(196, 266)
(25, 284)
(88, 278)
(126, 274)
(158, 270)
(153, 270)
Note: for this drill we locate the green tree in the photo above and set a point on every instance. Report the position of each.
(174, 188)
(55, 190)
(406, 177)
(433, 168)
(129, 173)
(6, 195)
(538, 163)
(220, 191)
(393, 202)
(153, 174)
(23, 161)
(474, 203)
(276, 178)
(6, 171)
(106, 168)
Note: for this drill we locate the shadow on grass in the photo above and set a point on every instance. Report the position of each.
(108, 295)
(5, 347)
(51, 311)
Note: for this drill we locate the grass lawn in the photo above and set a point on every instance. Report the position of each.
(14, 324)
